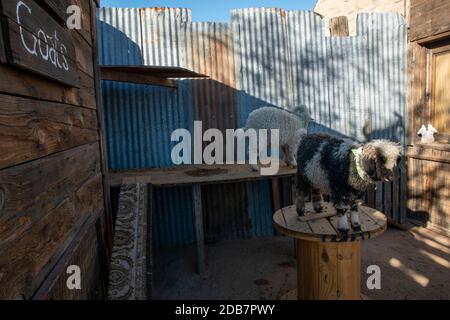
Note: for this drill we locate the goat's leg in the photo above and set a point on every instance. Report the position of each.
(302, 193)
(286, 154)
(342, 220)
(317, 200)
(253, 150)
(354, 217)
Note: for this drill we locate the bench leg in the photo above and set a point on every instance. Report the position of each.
(198, 228)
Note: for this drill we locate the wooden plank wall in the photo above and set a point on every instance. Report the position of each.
(52, 211)
(429, 186)
(428, 165)
(429, 18)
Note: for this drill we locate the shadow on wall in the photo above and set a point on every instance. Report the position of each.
(330, 76)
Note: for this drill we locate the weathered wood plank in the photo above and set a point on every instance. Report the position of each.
(108, 219)
(198, 225)
(193, 174)
(325, 230)
(2, 45)
(84, 54)
(276, 199)
(339, 26)
(31, 129)
(417, 97)
(118, 75)
(37, 222)
(57, 8)
(24, 199)
(428, 176)
(428, 18)
(83, 252)
(348, 270)
(16, 82)
(87, 30)
(149, 255)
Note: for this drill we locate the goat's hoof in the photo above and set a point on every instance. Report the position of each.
(318, 209)
(301, 212)
(343, 234)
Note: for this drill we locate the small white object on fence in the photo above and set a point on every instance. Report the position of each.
(427, 133)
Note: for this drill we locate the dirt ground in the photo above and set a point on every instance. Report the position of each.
(414, 264)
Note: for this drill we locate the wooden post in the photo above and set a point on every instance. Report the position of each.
(102, 140)
(198, 226)
(328, 270)
(339, 27)
(276, 200)
(149, 248)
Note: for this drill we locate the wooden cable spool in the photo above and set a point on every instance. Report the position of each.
(328, 264)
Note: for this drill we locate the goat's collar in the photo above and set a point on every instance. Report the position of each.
(362, 174)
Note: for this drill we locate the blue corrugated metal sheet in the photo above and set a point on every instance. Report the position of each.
(260, 208)
(119, 36)
(141, 118)
(172, 218)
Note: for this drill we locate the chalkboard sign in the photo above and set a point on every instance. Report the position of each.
(36, 42)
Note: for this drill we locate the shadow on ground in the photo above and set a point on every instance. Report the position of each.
(414, 264)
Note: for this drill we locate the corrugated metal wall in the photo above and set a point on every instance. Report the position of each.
(162, 39)
(309, 61)
(141, 118)
(264, 57)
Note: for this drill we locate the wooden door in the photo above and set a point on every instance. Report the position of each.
(440, 88)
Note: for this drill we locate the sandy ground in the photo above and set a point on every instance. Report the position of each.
(414, 264)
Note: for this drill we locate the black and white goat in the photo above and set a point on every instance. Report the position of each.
(342, 169)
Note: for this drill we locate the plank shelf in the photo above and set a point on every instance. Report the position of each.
(151, 75)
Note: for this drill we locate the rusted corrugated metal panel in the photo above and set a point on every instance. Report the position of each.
(119, 36)
(210, 51)
(162, 38)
